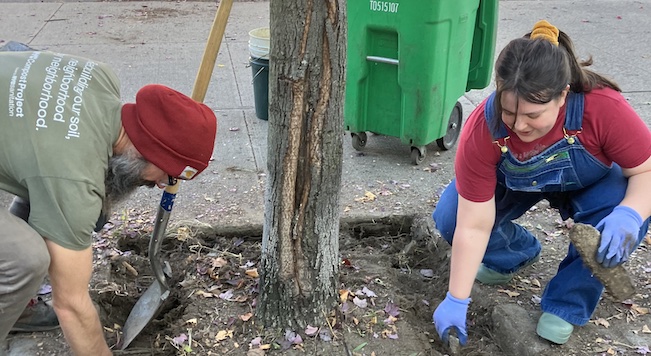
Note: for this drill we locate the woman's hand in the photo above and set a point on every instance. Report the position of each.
(451, 313)
(619, 234)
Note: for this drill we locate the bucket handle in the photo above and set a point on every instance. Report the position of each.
(259, 70)
(256, 74)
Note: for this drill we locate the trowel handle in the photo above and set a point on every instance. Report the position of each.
(162, 218)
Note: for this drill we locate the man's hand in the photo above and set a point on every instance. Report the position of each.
(619, 233)
(451, 313)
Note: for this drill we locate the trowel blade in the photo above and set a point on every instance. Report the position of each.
(145, 309)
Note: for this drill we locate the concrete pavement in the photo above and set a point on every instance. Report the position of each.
(163, 42)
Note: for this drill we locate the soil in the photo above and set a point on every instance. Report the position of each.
(394, 272)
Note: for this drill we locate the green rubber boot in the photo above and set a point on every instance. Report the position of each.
(552, 328)
(491, 277)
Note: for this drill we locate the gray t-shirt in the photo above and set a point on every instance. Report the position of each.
(59, 118)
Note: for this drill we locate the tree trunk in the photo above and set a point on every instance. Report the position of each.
(300, 247)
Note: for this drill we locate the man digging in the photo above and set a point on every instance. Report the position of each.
(70, 151)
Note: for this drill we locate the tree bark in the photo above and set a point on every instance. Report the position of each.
(300, 264)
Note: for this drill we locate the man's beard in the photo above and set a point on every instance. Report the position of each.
(123, 177)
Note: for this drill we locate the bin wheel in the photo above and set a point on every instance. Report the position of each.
(359, 140)
(418, 155)
(454, 129)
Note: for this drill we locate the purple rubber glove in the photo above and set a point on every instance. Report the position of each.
(451, 313)
(619, 233)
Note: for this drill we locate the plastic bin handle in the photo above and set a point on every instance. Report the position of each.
(382, 60)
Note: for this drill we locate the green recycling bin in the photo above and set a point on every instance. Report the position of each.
(408, 63)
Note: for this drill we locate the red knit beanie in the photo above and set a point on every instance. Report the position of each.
(170, 130)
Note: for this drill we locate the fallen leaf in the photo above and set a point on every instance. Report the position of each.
(426, 272)
(325, 335)
(343, 295)
(640, 310)
(246, 317)
(390, 320)
(510, 293)
(219, 262)
(253, 273)
(368, 196)
(646, 330)
(391, 309)
(228, 295)
(179, 340)
(603, 322)
(240, 299)
(224, 334)
(311, 330)
(643, 350)
(369, 293)
(360, 302)
(204, 294)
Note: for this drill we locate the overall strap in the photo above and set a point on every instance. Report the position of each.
(574, 111)
(497, 129)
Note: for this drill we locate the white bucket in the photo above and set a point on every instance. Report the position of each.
(259, 42)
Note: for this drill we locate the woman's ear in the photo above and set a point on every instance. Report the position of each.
(563, 96)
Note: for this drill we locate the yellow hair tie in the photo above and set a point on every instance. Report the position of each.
(545, 31)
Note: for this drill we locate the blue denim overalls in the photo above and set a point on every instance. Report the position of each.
(573, 181)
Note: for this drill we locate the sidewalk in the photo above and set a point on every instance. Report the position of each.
(163, 42)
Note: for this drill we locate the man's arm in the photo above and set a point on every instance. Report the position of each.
(70, 273)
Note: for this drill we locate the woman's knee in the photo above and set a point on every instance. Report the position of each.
(445, 214)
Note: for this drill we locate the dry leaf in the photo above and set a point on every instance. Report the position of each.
(536, 283)
(603, 322)
(646, 330)
(204, 294)
(343, 295)
(182, 233)
(219, 262)
(246, 316)
(510, 293)
(253, 273)
(239, 299)
(223, 334)
(639, 310)
(368, 196)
